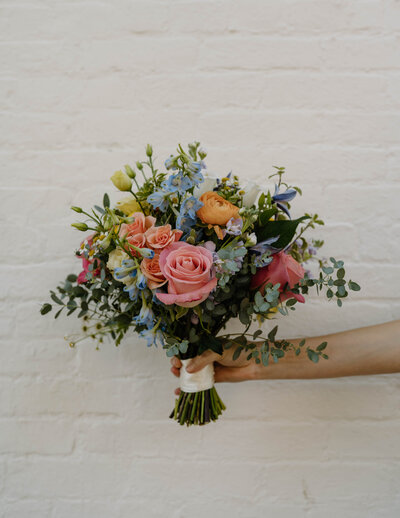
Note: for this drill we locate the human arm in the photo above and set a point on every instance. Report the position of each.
(367, 350)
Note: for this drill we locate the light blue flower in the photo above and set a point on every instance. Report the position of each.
(145, 316)
(184, 222)
(133, 292)
(152, 336)
(170, 163)
(159, 200)
(127, 269)
(194, 172)
(177, 183)
(190, 206)
(141, 281)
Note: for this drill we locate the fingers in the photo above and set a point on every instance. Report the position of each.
(176, 372)
(176, 362)
(177, 391)
(199, 362)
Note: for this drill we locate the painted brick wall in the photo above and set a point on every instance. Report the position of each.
(310, 84)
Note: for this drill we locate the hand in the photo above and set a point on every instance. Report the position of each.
(226, 369)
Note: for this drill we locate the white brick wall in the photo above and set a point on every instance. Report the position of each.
(310, 84)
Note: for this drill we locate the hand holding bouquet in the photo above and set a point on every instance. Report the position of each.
(182, 255)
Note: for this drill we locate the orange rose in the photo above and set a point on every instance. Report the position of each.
(216, 210)
(158, 238)
(151, 270)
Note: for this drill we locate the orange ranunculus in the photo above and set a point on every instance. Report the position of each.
(151, 270)
(216, 210)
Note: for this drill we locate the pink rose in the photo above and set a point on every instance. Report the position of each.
(283, 270)
(161, 237)
(134, 232)
(188, 270)
(87, 262)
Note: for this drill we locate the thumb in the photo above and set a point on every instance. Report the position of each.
(199, 362)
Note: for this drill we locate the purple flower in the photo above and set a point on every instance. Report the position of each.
(281, 199)
(234, 226)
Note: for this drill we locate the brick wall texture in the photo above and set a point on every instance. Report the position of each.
(313, 85)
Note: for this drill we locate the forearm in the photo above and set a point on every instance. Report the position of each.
(368, 350)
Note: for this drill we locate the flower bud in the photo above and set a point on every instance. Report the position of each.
(251, 239)
(105, 243)
(121, 181)
(130, 172)
(77, 209)
(149, 150)
(146, 252)
(202, 153)
(139, 166)
(80, 226)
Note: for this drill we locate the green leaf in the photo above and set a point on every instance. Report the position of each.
(312, 355)
(339, 303)
(340, 273)
(212, 343)
(327, 270)
(56, 299)
(45, 308)
(236, 354)
(106, 200)
(183, 346)
(354, 286)
(302, 342)
(285, 229)
(71, 277)
(322, 346)
(272, 334)
(266, 215)
(257, 333)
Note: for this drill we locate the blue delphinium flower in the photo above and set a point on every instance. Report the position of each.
(281, 199)
(177, 183)
(127, 269)
(190, 206)
(194, 172)
(133, 291)
(145, 316)
(141, 281)
(152, 336)
(169, 163)
(184, 222)
(159, 200)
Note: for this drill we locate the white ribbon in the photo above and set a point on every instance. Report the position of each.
(196, 381)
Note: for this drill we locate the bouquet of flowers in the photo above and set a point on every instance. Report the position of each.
(184, 253)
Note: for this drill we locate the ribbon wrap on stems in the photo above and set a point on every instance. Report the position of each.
(192, 382)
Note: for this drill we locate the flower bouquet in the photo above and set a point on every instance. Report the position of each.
(184, 253)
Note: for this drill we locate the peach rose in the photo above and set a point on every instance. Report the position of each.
(188, 270)
(134, 232)
(151, 270)
(216, 210)
(283, 269)
(161, 237)
(139, 225)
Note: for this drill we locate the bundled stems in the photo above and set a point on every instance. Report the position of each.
(197, 407)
